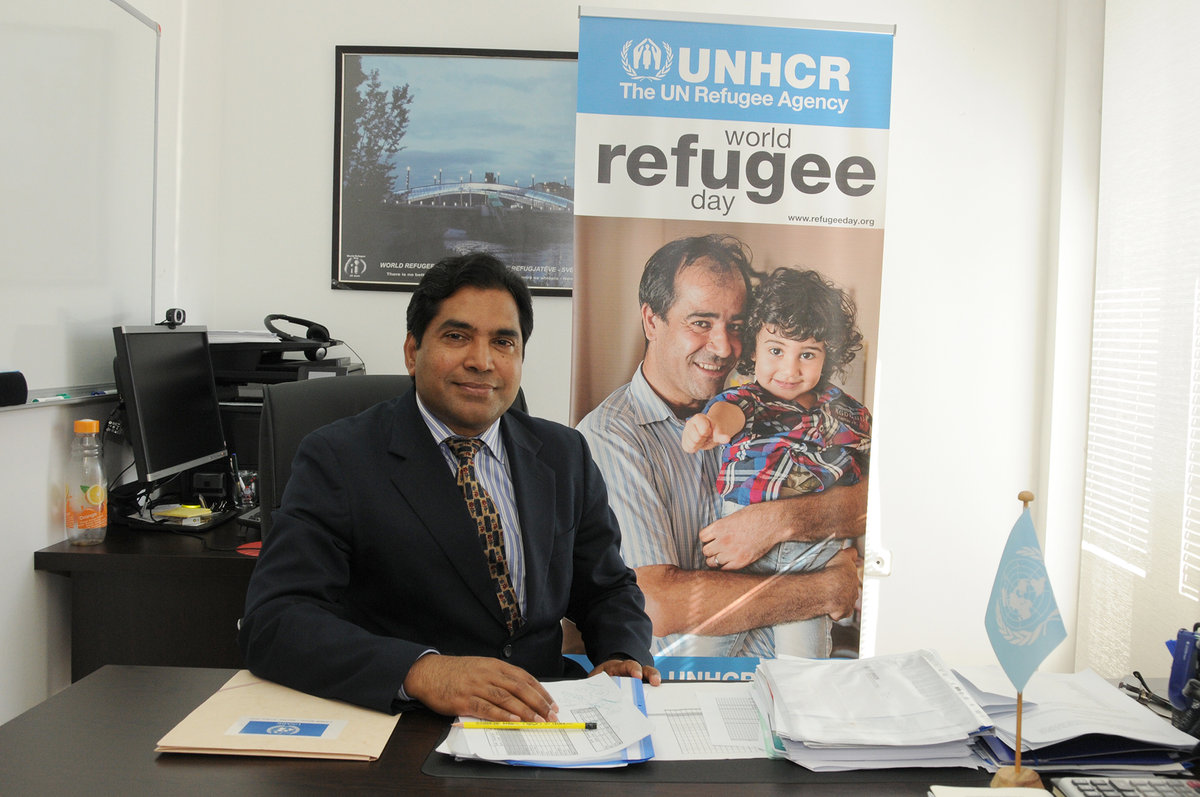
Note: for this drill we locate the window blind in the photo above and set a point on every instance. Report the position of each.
(1140, 563)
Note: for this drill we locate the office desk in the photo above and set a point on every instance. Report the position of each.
(98, 736)
(153, 597)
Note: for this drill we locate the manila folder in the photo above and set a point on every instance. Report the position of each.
(250, 716)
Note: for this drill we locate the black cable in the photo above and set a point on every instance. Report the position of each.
(356, 354)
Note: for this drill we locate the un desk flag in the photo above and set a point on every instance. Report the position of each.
(1022, 618)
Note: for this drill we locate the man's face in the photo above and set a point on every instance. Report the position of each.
(467, 369)
(691, 351)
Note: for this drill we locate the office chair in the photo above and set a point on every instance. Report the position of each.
(293, 409)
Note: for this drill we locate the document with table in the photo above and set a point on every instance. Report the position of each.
(613, 707)
(687, 721)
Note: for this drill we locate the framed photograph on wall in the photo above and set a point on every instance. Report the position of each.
(443, 151)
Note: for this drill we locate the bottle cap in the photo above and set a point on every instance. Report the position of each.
(87, 426)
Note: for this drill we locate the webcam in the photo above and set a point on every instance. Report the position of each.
(175, 317)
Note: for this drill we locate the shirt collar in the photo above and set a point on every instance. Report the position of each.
(648, 406)
(441, 432)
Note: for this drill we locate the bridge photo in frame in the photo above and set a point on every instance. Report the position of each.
(441, 151)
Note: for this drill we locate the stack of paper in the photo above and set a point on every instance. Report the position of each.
(903, 710)
(621, 736)
(182, 515)
(1073, 722)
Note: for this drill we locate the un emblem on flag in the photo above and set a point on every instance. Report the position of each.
(1022, 619)
(1025, 602)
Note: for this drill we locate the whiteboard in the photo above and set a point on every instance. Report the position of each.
(77, 207)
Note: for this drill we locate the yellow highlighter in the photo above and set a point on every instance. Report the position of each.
(527, 726)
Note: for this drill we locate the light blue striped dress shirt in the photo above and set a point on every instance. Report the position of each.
(491, 465)
(662, 497)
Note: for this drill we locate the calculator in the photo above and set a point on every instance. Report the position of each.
(1126, 787)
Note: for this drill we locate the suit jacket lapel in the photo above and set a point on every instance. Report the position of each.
(421, 475)
(533, 489)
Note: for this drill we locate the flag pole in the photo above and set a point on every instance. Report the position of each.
(1007, 777)
(1020, 711)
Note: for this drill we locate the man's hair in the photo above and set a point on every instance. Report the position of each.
(800, 305)
(657, 288)
(475, 270)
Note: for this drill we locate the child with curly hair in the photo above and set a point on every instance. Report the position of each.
(790, 432)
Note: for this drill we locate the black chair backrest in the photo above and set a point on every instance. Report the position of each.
(293, 409)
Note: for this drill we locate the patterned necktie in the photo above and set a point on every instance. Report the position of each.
(487, 519)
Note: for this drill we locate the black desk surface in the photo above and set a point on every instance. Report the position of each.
(162, 551)
(98, 736)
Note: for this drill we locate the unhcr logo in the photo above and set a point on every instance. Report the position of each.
(647, 60)
(653, 60)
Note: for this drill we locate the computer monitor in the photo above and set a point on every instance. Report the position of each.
(165, 380)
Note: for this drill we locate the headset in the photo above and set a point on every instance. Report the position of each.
(315, 332)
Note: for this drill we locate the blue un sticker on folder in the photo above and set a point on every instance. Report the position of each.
(317, 729)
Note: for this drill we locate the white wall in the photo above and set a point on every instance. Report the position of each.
(970, 264)
(35, 625)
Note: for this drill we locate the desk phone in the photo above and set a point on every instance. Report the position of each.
(251, 517)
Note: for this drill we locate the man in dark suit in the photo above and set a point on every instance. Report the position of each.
(401, 568)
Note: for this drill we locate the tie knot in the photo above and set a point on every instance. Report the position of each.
(465, 448)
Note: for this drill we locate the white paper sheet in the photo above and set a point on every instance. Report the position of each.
(599, 699)
(694, 721)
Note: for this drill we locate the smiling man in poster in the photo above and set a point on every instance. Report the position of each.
(689, 561)
(711, 153)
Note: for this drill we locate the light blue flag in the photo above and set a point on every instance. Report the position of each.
(1022, 618)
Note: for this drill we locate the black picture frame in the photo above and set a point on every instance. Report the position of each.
(438, 151)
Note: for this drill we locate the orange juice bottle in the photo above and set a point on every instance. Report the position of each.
(85, 515)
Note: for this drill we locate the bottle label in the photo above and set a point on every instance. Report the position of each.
(87, 509)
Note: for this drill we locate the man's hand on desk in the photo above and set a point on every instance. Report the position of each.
(628, 668)
(476, 686)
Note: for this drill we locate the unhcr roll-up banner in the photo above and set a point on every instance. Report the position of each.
(708, 147)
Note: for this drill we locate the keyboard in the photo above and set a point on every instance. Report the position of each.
(1126, 787)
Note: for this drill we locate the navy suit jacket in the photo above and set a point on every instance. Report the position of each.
(373, 559)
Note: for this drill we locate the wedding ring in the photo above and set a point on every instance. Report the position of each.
(716, 561)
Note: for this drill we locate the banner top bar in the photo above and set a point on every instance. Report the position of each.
(733, 19)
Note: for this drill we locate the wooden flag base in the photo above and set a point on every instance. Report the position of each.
(1011, 777)
(1017, 776)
